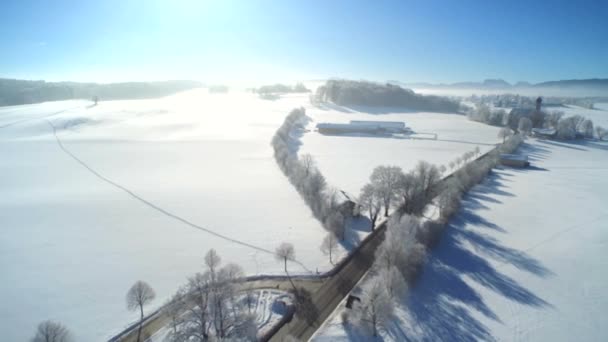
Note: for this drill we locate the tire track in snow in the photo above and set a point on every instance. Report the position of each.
(154, 206)
(37, 117)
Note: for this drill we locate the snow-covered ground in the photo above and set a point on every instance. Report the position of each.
(524, 259)
(348, 161)
(142, 189)
(269, 307)
(72, 242)
(599, 115)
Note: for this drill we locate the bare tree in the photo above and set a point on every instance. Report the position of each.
(250, 297)
(376, 308)
(212, 261)
(394, 281)
(586, 128)
(504, 133)
(553, 118)
(427, 176)
(385, 179)
(49, 331)
(139, 294)
(525, 126)
(285, 252)
(329, 245)
(308, 164)
(601, 132)
(175, 309)
(371, 202)
(199, 292)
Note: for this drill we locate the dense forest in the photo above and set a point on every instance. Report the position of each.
(363, 93)
(16, 92)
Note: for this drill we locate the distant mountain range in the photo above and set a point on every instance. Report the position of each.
(594, 83)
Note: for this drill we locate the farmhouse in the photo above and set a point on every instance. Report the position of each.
(514, 160)
(360, 126)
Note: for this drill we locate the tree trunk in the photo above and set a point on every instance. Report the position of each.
(141, 322)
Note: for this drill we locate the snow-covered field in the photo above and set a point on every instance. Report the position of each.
(142, 189)
(599, 115)
(348, 161)
(268, 306)
(72, 242)
(524, 260)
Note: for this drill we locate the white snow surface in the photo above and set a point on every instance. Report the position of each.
(137, 189)
(523, 260)
(347, 161)
(72, 243)
(599, 115)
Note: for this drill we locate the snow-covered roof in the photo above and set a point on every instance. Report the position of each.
(383, 124)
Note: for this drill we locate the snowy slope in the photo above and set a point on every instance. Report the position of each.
(524, 260)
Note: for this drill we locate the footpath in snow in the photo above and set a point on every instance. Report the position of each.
(524, 259)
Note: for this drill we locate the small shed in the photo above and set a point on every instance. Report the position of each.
(514, 160)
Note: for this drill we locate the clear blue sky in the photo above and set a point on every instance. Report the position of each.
(447, 41)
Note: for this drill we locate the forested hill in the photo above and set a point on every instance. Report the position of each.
(16, 92)
(363, 93)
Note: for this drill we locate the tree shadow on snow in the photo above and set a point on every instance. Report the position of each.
(444, 304)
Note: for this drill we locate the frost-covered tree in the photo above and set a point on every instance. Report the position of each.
(504, 133)
(329, 246)
(50, 331)
(212, 261)
(246, 328)
(427, 176)
(566, 128)
(371, 202)
(197, 316)
(394, 281)
(139, 295)
(385, 179)
(308, 164)
(586, 128)
(449, 200)
(286, 252)
(601, 132)
(552, 120)
(525, 126)
(174, 309)
(376, 308)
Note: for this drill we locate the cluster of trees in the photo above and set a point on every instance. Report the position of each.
(523, 120)
(483, 113)
(17, 92)
(404, 249)
(303, 173)
(467, 176)
(390, 187)
(464, 158)
(282, 89)
(348, 93)
(208, 306)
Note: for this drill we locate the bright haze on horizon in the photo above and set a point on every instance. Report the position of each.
(268, 41)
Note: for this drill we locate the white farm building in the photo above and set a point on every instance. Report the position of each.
(358, 126)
